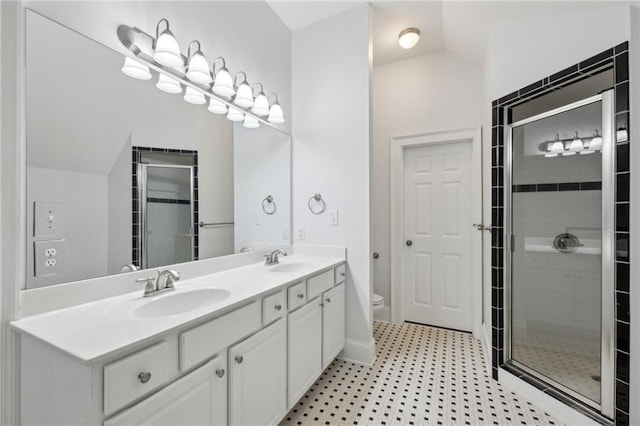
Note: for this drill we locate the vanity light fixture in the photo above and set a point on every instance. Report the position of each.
(568, 147)
(216, 107)
(168, 84)
(408, 38)
(244, 95)
(215, 85)
(194, 97)
(275, 112)
(198, 68)
(166, 50)
(594, 145)
(223, 83)
(261, 103)
(135, 69)
(556, 148)
(235, 114)
(250, 122)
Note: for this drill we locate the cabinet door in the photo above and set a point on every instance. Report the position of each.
(257, 377)
(333, 324)
(304, 349)
(192, 400)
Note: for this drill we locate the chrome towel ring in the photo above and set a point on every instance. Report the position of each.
(319, 204)
(268, 205)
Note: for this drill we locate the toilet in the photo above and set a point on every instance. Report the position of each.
(378, 301)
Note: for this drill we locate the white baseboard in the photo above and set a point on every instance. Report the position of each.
(562, 412)
(382, 314)
(359, 352)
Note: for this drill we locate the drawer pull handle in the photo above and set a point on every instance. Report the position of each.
(300, 296)
(278, 307)
(144, 377)
(220, 372)
(239, 359)
(328, 300)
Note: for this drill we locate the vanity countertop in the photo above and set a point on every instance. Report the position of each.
(93, 331)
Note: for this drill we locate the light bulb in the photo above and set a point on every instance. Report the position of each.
(167, 51)
(194, 97)
(135, 69)
(198, 69)
(250, 122)
(168, 84)
(217, 107)
(244, 97)
(408, 38)
(275, 114)
(260, 105)
(223, 84)
(235, 114)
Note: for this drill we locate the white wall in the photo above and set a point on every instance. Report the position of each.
(119, 211)
(331, 153)
(262, 167)
(425, 94)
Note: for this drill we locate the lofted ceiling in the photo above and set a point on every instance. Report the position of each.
(458, 26)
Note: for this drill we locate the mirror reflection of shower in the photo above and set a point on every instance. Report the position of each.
(165, 207)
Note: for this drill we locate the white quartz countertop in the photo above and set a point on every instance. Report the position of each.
(96, 330)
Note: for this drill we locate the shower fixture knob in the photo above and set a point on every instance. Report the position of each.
(409, 243)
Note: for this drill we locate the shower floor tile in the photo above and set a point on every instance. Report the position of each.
(422, 376)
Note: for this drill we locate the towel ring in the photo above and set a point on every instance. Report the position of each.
(269, 201)
(318, 198)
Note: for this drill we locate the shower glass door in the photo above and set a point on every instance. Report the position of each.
(560, 316)
(167, 214)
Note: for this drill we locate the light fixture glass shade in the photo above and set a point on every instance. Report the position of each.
(557, 148)
(576, 145)
(275, 114)
(135, 69)
(622, 135)
(217, 107)
(235, 114)
(408, 38)
(198, 69)
(223, 84)
(167, 51)
(250, 122)
(244, 97)
(168, 84)
(192, 96)
(595, 144)
(260, 105)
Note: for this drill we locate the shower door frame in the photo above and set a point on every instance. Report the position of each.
(607, 346)
(142, 196)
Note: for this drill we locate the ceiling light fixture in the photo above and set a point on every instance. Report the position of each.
(162, 54)
(408, 38)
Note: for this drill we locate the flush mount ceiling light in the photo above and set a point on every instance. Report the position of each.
(166, 50)
(135, 69)
(162, 54)
(198, 68)
(408, 38)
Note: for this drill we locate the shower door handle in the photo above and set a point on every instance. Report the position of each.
(482, 227)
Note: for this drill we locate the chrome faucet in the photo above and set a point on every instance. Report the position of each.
(272, 258)
(160, 284)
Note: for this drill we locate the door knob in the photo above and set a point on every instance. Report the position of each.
(239, 359)
(409, 243)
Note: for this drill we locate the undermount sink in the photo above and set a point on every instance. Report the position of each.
(290, 267)
(180, 302)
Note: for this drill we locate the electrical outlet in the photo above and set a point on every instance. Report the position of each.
(50, 252)
(48, 257)
(285, 233)
(50, 262)
(333, 218)
(300, 234)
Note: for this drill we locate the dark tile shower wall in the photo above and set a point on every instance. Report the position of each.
(135, 204)
(616, 58)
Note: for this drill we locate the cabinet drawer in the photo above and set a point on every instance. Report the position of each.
(274, 307)
(297, 295)
(319, 283)
(134, 376)
(204, 341)
(340, 272)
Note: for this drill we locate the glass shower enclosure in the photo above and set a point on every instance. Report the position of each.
(560, 240)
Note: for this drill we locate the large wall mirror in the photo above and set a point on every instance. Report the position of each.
(120, 173)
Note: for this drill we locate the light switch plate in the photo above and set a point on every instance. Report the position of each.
(48, 219)
(49, 257)
(333, 218)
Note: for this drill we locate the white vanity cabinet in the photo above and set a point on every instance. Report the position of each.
(333, 324)
(257, 377)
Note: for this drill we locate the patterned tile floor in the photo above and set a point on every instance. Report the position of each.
(422, 376)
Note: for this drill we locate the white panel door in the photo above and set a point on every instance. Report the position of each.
(436, 263)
